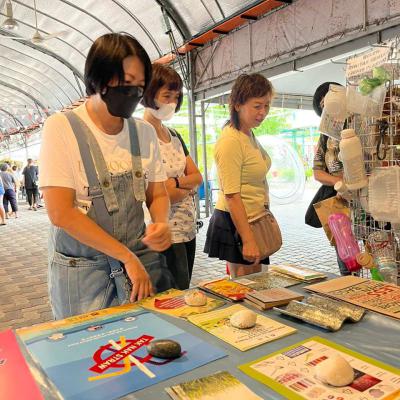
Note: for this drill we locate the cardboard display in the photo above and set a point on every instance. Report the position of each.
(380, 297)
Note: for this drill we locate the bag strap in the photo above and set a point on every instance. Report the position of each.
(264, 155)
(103, 215)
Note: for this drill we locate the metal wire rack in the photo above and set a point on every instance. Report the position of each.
(380, 138)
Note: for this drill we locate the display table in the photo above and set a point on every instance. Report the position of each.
(375, 336)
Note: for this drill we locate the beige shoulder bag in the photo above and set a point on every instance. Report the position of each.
(264, 226)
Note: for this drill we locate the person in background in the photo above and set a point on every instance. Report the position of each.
(17, 176)
(242, 168)
(327, 167)
(9, 190)
(98, 165)
(30, 181)
(2, 212)
(162, 100)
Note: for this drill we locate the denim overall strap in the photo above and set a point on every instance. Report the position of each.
(137, 170)
(98, 176)
(99, 192)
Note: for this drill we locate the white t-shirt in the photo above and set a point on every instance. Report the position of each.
(61, 163)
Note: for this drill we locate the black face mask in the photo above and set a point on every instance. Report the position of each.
(121, 101)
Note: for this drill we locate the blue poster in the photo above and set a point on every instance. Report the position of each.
(79, 359)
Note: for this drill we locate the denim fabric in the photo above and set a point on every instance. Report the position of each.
(80, 278)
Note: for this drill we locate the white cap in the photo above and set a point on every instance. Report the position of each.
(347, 133)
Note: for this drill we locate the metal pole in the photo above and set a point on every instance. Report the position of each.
(204, 144)
(192, 119)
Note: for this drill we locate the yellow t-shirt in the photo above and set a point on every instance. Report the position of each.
(241, 169)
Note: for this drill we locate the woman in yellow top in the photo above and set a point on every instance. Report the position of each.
(242, 170)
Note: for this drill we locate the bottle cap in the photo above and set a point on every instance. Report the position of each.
(347, 133)
(365, 260)
(340, 187)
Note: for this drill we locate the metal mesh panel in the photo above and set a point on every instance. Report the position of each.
(380, 138)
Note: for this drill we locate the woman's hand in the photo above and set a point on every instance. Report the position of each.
(157, 236)
(251, 252)
(141, 283)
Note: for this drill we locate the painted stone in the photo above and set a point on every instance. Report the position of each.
(195, 298)
(243, 319)
(164, 348)
(335, 371)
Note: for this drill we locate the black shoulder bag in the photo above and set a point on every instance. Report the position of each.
(323, 193)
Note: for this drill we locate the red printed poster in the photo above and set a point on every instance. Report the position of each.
(16, 381)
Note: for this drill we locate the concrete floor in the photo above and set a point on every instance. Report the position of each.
(23, 259)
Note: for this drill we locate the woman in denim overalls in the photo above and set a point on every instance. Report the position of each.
(99, 245)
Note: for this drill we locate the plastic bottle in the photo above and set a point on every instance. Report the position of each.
(343, 190)
(346, 244)
(383, 251)
(351, 154)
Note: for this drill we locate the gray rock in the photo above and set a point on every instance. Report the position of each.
(164, 348)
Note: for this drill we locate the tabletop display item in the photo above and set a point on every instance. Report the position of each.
(268, 298)
(173, 302)
(218, 386)
(108, 353)
(225, 288)
(377, 296)
(268, 280)
(323, 312)
(218, 324)
(298, 272)
(305, 371)
(16, 381)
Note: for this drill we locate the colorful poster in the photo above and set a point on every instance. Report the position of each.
(218, 386)
(105, 357)
(217, 323)
(172, 302)
(377, 296)
(291, 372)
(16, 381)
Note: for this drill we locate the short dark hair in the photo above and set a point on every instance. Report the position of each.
(319, 94)
(163, 75)
(246, 87)
(105, 60)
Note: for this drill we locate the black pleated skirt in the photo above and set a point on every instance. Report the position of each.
(223, 240)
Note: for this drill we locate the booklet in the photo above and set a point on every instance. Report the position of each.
(218, 324)
(291, 372)
(226, 289)
(103, 354)
(172, 302)
(16, 381)
(301, 273)
(218, 386)
(377, 296)
(266, 299)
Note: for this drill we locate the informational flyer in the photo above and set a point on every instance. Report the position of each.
(172, 302)
(104, 356)
(291, 372)
(16, 381)
(377, 296)
(218, 324)
(218, 386)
